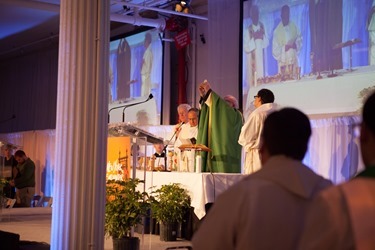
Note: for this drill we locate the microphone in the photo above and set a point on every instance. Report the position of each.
(8, 119)
(128, 105)
(175, 132)
(166, 145)
(150, 96)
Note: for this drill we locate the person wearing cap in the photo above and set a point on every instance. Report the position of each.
(252, 129)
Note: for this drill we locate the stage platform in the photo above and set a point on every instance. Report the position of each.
(34, 224)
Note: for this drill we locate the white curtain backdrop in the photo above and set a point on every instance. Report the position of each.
(334, 150)
(40, 147)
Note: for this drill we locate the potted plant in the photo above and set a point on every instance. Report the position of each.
(124, 208)
(169, 204)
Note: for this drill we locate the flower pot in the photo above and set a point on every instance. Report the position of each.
(126, 243)
(168, 231)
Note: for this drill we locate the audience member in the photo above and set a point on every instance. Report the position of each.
(25, 180)
(287, 41)
(10, 164)
(343, 217)
(219, 128)
(252, 129)
(266, 209)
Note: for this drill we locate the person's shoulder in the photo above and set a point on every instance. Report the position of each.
(278, 27)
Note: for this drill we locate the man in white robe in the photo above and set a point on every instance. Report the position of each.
(266, 210)
(186, 133)
(251, 131)
(287, 42)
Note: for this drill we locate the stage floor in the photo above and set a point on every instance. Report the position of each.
(34, 224)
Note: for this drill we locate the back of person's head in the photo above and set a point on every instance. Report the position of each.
(19, 153)
(195, 110)
(266, 96)
(287, 132)
(184, 106)
(368, 113)
(232, 101)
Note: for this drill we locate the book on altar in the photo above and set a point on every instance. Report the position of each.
(198, 147)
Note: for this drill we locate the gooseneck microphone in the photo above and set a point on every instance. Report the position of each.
(166, 145)
(150, 96)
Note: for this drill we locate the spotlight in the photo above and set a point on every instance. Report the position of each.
(182, 6)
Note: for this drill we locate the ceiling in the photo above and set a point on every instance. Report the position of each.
(27, 23)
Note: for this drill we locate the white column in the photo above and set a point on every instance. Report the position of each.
(81, 126)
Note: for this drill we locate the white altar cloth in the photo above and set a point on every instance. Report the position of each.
(202, 187)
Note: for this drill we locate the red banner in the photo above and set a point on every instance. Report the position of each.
(182, 39)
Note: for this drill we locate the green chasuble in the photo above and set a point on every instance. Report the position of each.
(219, 128)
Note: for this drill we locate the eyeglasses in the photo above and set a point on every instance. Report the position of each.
(256, 96)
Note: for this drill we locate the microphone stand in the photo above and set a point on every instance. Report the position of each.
(165, 146)
(133, 104)
(124, 106)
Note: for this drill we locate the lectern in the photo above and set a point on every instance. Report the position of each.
(139, 137)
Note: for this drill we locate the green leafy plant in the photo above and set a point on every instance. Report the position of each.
(124, 207)
(169, 203)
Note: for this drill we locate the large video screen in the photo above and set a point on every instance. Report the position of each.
(288, 43)
(135, 73)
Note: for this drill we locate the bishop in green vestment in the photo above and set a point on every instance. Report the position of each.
(219, 128)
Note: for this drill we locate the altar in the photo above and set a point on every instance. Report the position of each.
(203, 187)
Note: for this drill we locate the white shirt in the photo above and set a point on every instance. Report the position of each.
(265, 210)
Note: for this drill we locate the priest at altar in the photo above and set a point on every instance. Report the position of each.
(219, 128)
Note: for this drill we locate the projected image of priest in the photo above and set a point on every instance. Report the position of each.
(255, 40)
(147, 66)
(123, 70)
(287, 41)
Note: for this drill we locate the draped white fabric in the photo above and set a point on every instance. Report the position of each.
(40, 147)
(334, 150)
